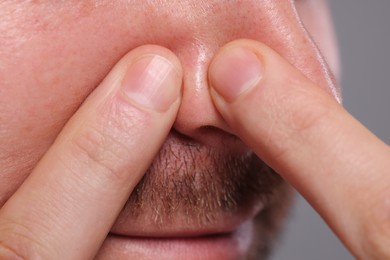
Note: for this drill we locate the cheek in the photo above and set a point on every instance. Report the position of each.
(49, 62)
(315, 16)
(44, 79)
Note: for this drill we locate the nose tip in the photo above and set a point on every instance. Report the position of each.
(197, 117)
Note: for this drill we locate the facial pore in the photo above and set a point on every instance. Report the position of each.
(54, 53)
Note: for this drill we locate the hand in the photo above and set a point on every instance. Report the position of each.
(69, 202)
(310, 140)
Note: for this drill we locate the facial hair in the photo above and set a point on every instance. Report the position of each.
(201, 182)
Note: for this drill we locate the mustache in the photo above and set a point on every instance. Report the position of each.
(201, 182)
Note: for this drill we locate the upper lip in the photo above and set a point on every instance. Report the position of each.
(225, 224)
(173, 237)
(171, 200)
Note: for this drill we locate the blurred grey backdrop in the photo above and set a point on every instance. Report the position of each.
(363, 30)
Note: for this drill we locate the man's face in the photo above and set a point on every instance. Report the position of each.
(206, 195)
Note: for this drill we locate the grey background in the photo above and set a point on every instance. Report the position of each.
(363, 29)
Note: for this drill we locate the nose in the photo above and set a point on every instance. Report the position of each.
(199, 36)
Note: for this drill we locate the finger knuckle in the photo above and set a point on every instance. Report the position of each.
(104, 144)
(18, 242)
(99, 151)
(8, 253)
(300, 115)
(306, 112)
(377, 244)
(377, 231)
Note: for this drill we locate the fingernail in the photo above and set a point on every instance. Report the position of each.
(234, 71)
(152, 82)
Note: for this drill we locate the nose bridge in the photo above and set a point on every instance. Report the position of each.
(274, 23)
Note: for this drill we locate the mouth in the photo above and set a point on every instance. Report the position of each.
(228, 245)
(198, 202)
(245, 236)
(228, 237)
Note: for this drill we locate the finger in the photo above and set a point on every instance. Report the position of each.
(71, 199)
(305, 135)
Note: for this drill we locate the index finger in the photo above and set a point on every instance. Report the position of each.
(307, 137)
(68, 204)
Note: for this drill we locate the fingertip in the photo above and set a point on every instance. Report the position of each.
(151, 49)
(234, 71)
(150, 77)
(235, 62)
(267, 102)
(152, 82)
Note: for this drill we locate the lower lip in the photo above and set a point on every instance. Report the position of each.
(229, 246)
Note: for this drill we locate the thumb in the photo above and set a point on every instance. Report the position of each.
(302, 132)
(69, 202)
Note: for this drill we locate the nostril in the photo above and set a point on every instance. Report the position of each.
(184, 139)
(197, 118)
(209, 129)
(208, 135)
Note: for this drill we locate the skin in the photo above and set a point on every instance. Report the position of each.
(108, 175)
